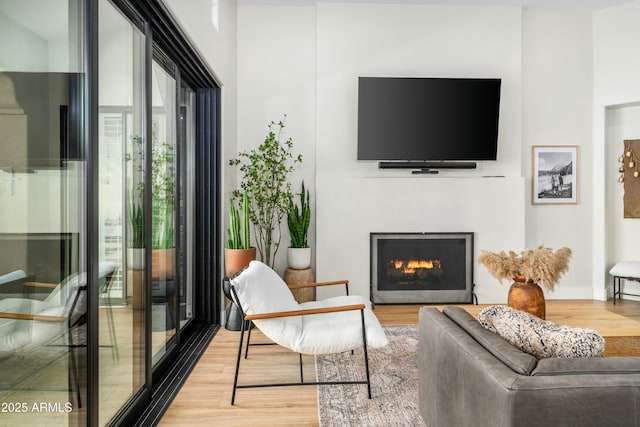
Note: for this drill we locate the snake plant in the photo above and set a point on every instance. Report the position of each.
(298, 220)
(238, 236)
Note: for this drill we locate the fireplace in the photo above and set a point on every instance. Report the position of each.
(421, 268)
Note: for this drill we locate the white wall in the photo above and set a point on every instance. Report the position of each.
(277, 76)
(45, 35)
(305, 60)
(556, 92)
(615, 118)
(622, 122)
(412, 41)
(12, 57)
(560, 71)
(356, 198)
(218, 47)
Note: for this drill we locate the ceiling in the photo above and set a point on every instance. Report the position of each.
(576, 5)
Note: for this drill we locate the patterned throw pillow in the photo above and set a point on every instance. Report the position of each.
(541, 338)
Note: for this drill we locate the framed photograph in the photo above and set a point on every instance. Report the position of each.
(554, 175)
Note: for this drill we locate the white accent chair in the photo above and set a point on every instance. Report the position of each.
(332, 325)
(27, 323)
(13, 276)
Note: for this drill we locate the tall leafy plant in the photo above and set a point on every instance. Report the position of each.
(136, 217)
(135, 155)
(299, 219)
(162, 192)
(264, 177)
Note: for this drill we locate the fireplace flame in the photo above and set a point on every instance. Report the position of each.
(410, 266)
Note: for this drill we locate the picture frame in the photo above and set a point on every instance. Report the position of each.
(554, 174)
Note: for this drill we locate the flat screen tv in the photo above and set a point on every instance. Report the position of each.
(428, 119)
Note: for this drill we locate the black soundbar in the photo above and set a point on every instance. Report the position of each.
(427, 165)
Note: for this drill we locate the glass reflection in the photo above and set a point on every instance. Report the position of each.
(121, 210)
(42, 210)
(163, 177)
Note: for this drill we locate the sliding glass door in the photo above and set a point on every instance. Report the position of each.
(43, 229)
(163, 208)
(121, 208)
(102, 203)
(186, 204)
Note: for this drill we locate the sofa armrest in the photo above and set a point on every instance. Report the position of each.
(587, 366)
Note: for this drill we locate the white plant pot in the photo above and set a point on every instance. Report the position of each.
(299, 258)
(135, 259)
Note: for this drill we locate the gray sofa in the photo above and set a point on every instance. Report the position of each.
(470, 376)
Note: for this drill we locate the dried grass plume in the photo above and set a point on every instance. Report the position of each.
(542, 265)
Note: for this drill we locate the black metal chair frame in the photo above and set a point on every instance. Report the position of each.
(309, 312)
(105, 289)
(74, 382)
(617, 283)
(73, 372)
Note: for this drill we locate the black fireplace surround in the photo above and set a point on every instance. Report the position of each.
(415, 268)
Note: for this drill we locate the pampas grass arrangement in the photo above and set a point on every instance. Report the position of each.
(542, 265)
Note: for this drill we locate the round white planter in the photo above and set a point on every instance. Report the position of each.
(299, 258)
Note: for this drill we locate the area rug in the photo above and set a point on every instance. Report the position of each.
(394, 384)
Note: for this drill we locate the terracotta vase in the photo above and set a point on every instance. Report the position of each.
(163, 264)
(525, 295)
(237, 259)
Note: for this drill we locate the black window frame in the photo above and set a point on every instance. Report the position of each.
(162, 33)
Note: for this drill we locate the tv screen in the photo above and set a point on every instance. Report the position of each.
(428, 118)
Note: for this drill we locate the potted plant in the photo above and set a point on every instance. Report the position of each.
(298, 220)
(265, 171)
(136, 218)
(238, 252)
(162, 206)
(136, 202)
(163, 199)
(529, 270)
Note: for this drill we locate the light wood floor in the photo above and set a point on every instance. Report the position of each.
(205, 397)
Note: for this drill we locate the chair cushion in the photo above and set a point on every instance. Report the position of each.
(16, 334)
(261, 290)
(541, 338)
(14, 275)
(336, 332)
(626, 269)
